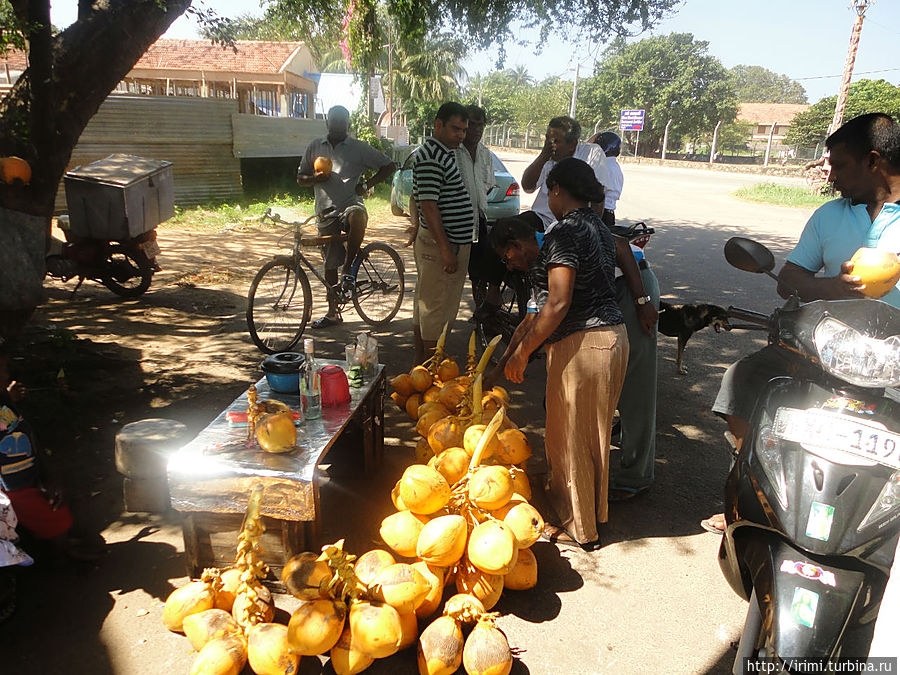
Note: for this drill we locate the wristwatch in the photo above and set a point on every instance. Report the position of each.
(643, 300)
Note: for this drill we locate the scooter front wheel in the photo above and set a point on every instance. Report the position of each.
(124, 275)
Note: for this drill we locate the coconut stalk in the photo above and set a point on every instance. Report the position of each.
(486, 438)
(344, 584)
(472, 360)
(249, 558)
(435, 359)
(486, 355)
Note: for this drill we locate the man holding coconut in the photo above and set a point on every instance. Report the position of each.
(865, 169)
(333, 166)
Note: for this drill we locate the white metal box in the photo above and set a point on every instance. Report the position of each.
(119, 197)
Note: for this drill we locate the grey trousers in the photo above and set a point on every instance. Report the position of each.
(637, 402)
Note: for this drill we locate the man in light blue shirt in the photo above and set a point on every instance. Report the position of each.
(865, 169)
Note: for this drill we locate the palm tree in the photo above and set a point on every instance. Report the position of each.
(430, 73)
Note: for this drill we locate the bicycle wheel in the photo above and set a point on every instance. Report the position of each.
(127, 277)
(278, 306)
(503, 322)
(378, 270)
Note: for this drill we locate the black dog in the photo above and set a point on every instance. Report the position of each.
(682, 321)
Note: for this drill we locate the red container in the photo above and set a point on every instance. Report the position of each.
(335, 387)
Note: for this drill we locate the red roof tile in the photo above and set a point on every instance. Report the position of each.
(14, 59)
(769, 113)
(252, 56)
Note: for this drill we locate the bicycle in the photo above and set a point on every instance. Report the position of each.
(280, 298)
(515, 292)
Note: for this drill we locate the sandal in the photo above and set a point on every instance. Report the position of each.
(557, 535)
(712, 523)
(326, 322)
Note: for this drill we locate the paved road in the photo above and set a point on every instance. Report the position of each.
(653, 600)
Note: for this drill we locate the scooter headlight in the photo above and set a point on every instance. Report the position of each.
(856, 358)
(888, 500)
(769, 450)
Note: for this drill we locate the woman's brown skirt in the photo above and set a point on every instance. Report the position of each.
(584, 377)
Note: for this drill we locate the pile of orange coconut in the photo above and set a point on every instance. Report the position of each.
(463, 523)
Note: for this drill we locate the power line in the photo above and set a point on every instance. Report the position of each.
(862, 72)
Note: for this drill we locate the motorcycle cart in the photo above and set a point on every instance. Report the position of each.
(114, 206)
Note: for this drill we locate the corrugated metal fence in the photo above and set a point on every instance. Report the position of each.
(195, 134)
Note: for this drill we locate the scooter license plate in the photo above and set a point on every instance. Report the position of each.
(150, 249)
(816, 428)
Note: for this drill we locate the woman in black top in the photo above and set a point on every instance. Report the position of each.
(574, 314)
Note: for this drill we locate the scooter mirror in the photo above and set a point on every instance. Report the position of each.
(749, 256)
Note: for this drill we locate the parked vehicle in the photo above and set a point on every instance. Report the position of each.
(502, 200)
(114, 207)
(812, 503)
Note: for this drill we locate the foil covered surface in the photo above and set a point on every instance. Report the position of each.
(215, 472)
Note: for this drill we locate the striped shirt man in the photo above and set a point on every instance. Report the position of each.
(436, 177)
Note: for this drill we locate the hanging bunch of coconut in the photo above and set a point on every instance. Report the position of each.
(227, 616)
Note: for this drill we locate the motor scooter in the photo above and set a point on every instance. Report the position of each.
(812, 503)
(124, 267)
(114, 207)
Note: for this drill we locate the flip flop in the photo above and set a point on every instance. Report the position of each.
(557, 535)
(708, 525)
(621, 493)
(326, 321)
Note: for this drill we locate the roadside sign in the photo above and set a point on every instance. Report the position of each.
(631, 120)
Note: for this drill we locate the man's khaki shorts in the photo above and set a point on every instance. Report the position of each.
(334, 253)
(437, 293)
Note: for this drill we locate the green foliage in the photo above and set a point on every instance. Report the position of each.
(488, 21)
(782, 195)
(363, 35)
(760, 85)
(11, 36)
(669, 76)
(512, 96)
(296, 21)
(866, 96)
(733, 137)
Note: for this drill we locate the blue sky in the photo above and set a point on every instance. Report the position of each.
(804, 39)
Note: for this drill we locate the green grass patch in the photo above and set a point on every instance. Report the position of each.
(782, 195)
(215, 217)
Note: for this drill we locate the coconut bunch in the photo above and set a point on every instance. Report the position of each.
(442, 647)
(358, 610)
(437, 382)
(468, 517)
(227, 616)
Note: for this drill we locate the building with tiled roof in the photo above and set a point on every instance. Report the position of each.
(763, 115)
(266, 78)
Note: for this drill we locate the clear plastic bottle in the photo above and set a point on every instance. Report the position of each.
(310, 388)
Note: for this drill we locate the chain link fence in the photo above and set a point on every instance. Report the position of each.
(531, 137)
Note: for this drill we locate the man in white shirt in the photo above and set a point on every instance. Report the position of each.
(561, 142)
(477, 168)
(611, 143)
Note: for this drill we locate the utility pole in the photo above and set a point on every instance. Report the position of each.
(860, 7)
(479, 89)
(574, 93)
(390, 77)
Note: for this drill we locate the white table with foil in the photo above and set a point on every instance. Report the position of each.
(215, 472)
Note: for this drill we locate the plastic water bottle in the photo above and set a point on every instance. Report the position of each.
(310, 387)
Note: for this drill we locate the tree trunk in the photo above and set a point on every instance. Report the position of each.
(69, 75)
